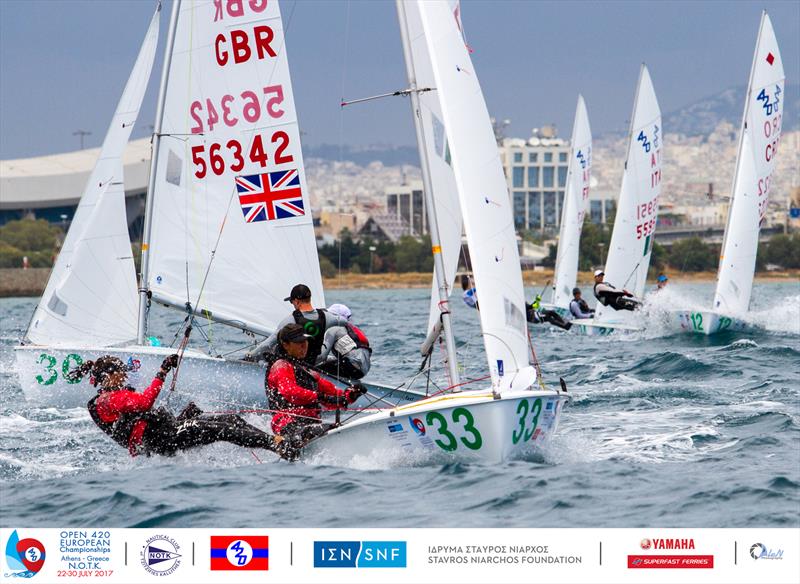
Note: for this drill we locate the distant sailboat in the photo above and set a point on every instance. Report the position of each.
(758, 145)
(574, 210)
(632, 239)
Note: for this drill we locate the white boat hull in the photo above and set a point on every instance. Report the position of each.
(707, 322)
(560, 310)
(208, 381)
(465, 426)
(590, 327)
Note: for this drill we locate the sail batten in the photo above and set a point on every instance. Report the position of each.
(90, 297)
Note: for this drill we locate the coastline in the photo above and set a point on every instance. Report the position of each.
(16, 282)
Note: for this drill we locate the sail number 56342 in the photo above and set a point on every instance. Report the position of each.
(233, 149)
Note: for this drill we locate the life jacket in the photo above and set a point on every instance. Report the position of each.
(119, 430)
(314, 329)
(583, 306)
(302, 377)
(605, 296)
(359, 338)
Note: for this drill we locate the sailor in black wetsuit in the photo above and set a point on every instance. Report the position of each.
(536, 314)
(607, 295)
(314, 322)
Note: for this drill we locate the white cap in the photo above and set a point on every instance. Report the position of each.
(599, 273)
(340, 310)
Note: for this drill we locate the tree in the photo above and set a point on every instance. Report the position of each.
(326, 267)
(413, 255)
(592, 253)
(692, 255)
(29, 235)
(783, 250)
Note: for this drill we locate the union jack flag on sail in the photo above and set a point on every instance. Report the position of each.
(270, 195)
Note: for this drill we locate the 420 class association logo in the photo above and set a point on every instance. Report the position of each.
(25, 557)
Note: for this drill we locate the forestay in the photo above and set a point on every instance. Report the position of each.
(90, 298)
(575, 201)
(758, 145)
(483, 197)
(632, 240)
(445, 194)
(232, 229)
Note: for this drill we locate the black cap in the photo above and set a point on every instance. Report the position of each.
(293, 333)
(576, 291)
(299, 292)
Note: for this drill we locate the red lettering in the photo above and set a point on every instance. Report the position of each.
(222, 54)
(218, 11)
(264, 36)
(258, 5)
(235, 8)
(241, 50)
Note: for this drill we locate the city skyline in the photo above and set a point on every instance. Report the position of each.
(72, 64)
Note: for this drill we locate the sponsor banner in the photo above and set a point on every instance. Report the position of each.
(389, 556)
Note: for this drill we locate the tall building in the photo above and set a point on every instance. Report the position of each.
(406, 203)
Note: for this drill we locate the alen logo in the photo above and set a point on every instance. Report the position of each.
(359, 554)
(25, 557)
(758, 551)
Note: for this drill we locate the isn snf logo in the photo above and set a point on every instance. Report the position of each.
(25, 557)
(359, 554)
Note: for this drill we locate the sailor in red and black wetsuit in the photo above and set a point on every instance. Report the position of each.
(128, 417)
(298, 395)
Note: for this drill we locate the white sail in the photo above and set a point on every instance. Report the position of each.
(483, 196)
(758, 145)
(232, 229)
(637, 209)
(575, 201)
(90, 298)
(445, 193)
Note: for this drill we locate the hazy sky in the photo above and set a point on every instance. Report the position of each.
(63, 64)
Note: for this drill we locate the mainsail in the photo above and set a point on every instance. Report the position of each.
(231, 229)
(90, 298)
(445, 193)
(758, 145)
(575, 201)
(483, 194)
(632, 240)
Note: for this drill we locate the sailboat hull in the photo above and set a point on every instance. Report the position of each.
(560, 310)
(590, 327)
(206, 380)
(707, 322)
(464, 426)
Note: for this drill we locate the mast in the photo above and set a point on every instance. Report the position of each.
(148, 205)
(433, 224)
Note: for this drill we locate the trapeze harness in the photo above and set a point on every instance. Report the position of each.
(315, 329)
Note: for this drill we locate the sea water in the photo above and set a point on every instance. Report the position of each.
(664, 430)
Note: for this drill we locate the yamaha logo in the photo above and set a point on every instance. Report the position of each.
(160, 555)
(646, 544)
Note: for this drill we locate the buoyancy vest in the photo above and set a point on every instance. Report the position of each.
(606, 296)
(302, 377)
(119, 430)
(360, 339)
(315, 329)
(583, 306)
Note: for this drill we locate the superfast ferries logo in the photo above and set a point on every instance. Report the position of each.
(669, 560)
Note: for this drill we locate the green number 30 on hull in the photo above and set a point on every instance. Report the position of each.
(468, 426)
(70, 362)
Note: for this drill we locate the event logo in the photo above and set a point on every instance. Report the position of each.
(160, 556)
(234, 552)
(398, 427)
(758, 551)
(25, 557)
(359, 554)
(669, 561)
(417, 425)
(646, 544)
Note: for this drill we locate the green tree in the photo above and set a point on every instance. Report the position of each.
(413, 255)
(783, 250)
(594, 245)
(10, 256)
(29, 235)
(326, 267)
(692, 255)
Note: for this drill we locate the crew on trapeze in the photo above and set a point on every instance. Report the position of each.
(537, 315)
(297, 395)
(345, 349)
(661, 282)
(129, 419)
(608, 295)
(578, 307)
(315, 323)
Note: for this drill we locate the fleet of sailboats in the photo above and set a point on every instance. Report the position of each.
(228, 229)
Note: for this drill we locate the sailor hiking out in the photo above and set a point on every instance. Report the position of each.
(297, 395)
(129, 419)
(315, 323)
(608, 295)
(345, 349)
(537, 315)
